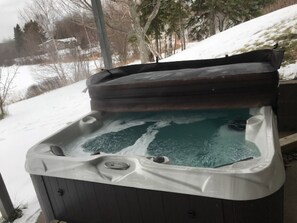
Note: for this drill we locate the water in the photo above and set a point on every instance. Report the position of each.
(187, 138)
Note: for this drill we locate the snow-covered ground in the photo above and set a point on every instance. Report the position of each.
(32, 120)
(28, 122)
(239, 37)
(246, 36)
(29, 75)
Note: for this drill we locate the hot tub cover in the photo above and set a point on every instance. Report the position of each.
(239, 81)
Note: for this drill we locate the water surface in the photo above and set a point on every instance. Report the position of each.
(188, 138)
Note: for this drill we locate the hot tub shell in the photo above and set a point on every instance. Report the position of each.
(113, 188)
(250, 189)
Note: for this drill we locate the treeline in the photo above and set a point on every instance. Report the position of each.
(277, 5)
(28, 38)
(136, 28)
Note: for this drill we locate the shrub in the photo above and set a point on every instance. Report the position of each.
(44, 86)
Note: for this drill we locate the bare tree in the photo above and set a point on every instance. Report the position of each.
(139, 29)
(129, 8)
(119, 29)
(80, 12)
(117, 20)
(6, 80)
(51, 17)
(44, 12)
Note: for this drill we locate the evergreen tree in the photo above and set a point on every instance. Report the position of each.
(210, 16)
(34, 31)
(18, 38)
(169, 21)
(33, 35)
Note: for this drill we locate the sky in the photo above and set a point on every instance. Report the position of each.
(9, 16)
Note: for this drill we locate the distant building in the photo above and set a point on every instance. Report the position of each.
(61, 44)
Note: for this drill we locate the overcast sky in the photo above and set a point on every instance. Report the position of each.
(9, 16)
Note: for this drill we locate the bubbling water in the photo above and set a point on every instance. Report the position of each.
(188, 138)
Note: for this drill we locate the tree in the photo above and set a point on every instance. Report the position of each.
(169, 21)
(18, 38)
(157, 26)
(209, 17)
(203, 22)
(7, 53)
(277, 4)
(33, 36)
(68, 27)
(6, 80)
(46, 15)
(44, 12)
(79, 13)
(134, 9)
(119, 30)
(140, 30)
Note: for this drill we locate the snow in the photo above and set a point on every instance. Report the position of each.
(33, 74)
(288, 72)
(251, 33)
(65, 40)
(236, 38)
(23, 79)
(30, 121)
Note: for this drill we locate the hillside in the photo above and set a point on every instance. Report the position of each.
(262, 32)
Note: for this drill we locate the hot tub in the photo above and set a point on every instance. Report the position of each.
(184, 163)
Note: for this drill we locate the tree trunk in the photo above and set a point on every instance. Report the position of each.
(157, 41)
(212, 24)
(166, 47)
(182, 28)
(143, 50)
(160, 45)
(1, 110)
(182, 35)
(175, 37)
(140, 30)
(170, 45)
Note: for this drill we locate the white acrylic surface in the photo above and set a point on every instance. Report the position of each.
(245, 180)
